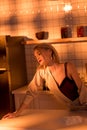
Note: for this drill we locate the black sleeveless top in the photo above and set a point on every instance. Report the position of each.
(68, 87)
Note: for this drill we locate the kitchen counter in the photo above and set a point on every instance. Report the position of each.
(45, 99)
(47, 120)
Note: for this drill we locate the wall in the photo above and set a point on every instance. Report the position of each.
(26, 17)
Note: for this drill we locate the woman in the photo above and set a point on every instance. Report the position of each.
(61, 78)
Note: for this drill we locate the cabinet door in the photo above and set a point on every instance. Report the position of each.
(15, 54)
(12, 57)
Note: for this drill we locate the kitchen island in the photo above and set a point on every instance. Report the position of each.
(47, 120)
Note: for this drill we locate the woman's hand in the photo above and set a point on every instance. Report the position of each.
(9, 115)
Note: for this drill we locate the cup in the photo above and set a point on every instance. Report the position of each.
(81, 31)
(66, 32)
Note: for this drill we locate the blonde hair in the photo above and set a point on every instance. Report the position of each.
(46, 46)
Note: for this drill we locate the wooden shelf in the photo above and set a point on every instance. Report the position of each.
(54, 41)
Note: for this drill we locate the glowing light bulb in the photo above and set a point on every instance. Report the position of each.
(67, 7)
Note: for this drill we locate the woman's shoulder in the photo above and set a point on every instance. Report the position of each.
(69, 64)
(71, 67)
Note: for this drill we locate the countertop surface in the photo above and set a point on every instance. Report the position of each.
(21, 90)
(47, 120)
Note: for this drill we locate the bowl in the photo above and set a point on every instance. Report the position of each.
(41, 35)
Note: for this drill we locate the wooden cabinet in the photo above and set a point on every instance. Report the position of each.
(12, 61)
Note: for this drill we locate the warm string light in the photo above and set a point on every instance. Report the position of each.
(45, 9)
(85, 8)
(78, 6)
(67, 7)
(57, 8)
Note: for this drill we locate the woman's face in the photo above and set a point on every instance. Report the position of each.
(43, 56)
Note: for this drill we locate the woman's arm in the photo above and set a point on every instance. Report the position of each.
(72, 72)
(22, 107)
(31, 93)
(29, 96)
(82, 88)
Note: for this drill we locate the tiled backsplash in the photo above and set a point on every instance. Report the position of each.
(73, 52)
(26, 17)
(30, 61)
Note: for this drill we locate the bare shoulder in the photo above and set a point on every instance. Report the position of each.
(70, 64)
(73, 73)
(71, 67)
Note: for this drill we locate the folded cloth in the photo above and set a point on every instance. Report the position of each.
(71, 120)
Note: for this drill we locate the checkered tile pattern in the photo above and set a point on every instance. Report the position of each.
(26, 17)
